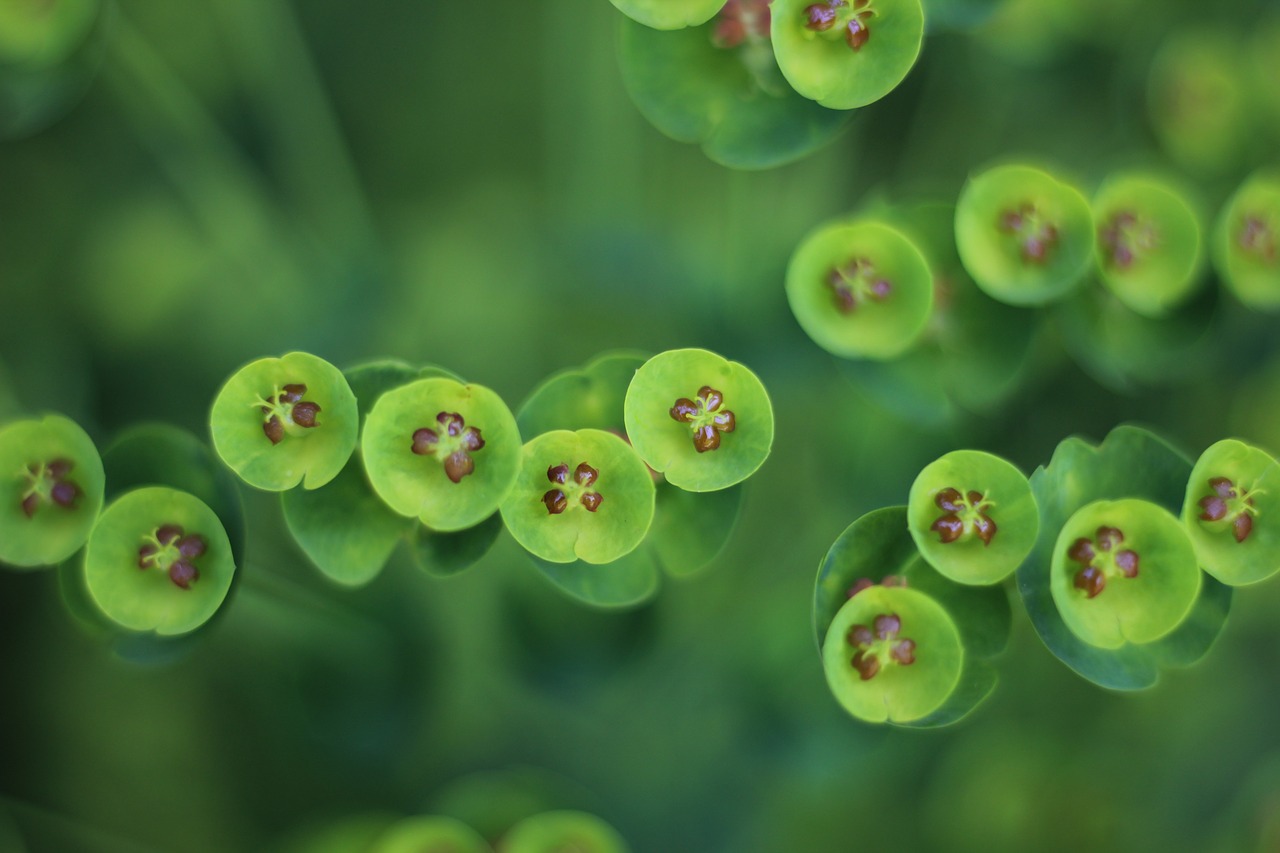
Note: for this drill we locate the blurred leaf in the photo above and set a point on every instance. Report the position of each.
(443, 554)
(690, 529)
(623, 583)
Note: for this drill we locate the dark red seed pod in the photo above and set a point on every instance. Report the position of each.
(471, 439)
(273, 429)
(1127, 562)
(304, 414)
(1223, 487)
(948, 527)
(1091, 580)
(559, 473)
(30, 504)
(291, 393)
(856, 34)
(860, 635)
(592, 501)
(1109, 537)
(1214, 508)
(60, 468)
(866, 665)
(904, 652)
(706, 438)
(725, 421)
(684, 410)
(64, 493)
(1081, 551)
(985, 528)
(949, 499)
(168, 534)
(183, 574)
(1242, 526)
(425, 441)
(585, 475)
(556, 501)
(887, 625)
(191, 546)
(458, 465)
(819, 17)
(710, 397)
(452, 423)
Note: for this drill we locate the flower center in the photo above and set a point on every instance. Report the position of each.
(1126, 238)
(1036, 235)
(856, 282)
(1257, 237)
(286, 413)
(879, 646)
(452, 442)
(866, 583)
(705, 416)
(575, 488)
(48, 483)
(1101, 559)
(834, 19)
(1229, 505)
(964, 515)
(172, 550)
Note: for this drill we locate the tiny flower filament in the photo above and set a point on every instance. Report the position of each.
(1230, 504)
(1101, 559)
(172, 550)
(48, 483)
(706, 416)
(964, 515)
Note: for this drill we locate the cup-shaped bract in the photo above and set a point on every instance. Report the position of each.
(580, 495)
(860, 290)
(703, 421)
(1025, 237)
(443, 451)
(669, 14)
(552, 832)
(1149, 247)
(159, 560)
(278, 422)
(892, 654)
(429, 834)
(1246, 242)
(973, 516)
(51, 490)
(43, 34)
(846, 53)
(1123, 572)
(1232, 512)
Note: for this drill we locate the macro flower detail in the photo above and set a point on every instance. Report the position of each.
(1125, 238)
(1036, 236)
(964, 514)
(47, 483)
(866, 583)
(285, 408)
(453, 443)
(837, 16)
(855, 283)
(879, 645)
(706, 416)
(1229, 503)
(1258, 238)
(172, 550)
(1101, 559)
(575, 487)
(741, 21)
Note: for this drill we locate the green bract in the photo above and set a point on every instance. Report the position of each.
(1123, 572)
(892, 654)
(554, 832)
(583, 495)
(1246, 242)
(429, 834)
(158, 560)
(847, 54)
(42, 34)
(278, 422)
(51, 488)
(1025, 237)
(443, 451)
(719, 85)
(669, 14)
(1232, 512)
(703, 421)
(973, 516)
(1149, 246)
(1198, 98)
(860, 290)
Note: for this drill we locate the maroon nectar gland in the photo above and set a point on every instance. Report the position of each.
(706, 417)
(173, 551)
(855, 283)
(1258, 238)
(576, 487)
(48, 483)
(1231, 504)
(1101, 559)
(286, 409)
(879, 645)
(452, 442)
(1126, 238)
(964, 515)
(740, 21)
(1036, 236)
(839, 18)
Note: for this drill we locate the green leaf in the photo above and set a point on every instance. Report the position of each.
(1130, 462)
(625, 582)
(690, 529)
(590, 397)
(444, 554)
(732, 101)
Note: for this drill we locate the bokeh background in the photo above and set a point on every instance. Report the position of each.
(469, 184)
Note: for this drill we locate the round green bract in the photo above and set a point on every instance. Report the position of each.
(617, 526)
(311, 456)
(53, 533)
(146, 599)
(994, 259)
(414, 485)
(828, 71)
(551, 832)
(39, 34)
(667, 444)
(1252, 276)
(669, 14)
(1136, 610)
(430, 834)
(967, 560)
(1258, 556)
(878, 330)
(897, 693)
(1165, 276)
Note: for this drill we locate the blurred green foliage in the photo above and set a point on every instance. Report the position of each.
(214, 180)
